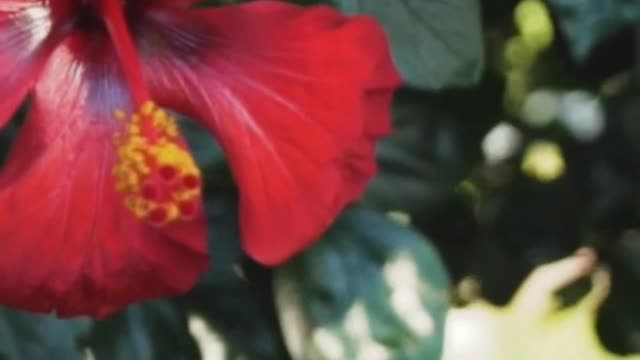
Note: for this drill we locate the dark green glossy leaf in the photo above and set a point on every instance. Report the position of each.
(9, 132)
(25, 336)
(586, 22)
(7, 136)
(435, 44)
(422, 160)
(235, 307)
(240, 318)
(154, 330)
(224, 238)
(370, 288)
(204, 148)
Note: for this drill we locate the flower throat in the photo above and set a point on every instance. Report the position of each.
(155, 172)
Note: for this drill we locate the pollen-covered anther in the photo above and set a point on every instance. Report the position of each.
(155, 173)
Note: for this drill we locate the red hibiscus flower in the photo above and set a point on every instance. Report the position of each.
(100, 197)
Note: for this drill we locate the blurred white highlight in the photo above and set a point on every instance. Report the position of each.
(540, 107)
(402, 277)
(88, 354)
(211, 345)
(357, 326)
(36, 21)
(501, 143)
(470, 334)
(328, 344)
(582, 114)
(399, 217)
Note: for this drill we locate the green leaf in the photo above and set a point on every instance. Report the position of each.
(370, 288)
(154, 330)
(25, 336)
(422, 160)
(206, 151)
(224, 238)
(239, 318)
(7, 136)
(236, 309)
(436, 44)
(586, 22)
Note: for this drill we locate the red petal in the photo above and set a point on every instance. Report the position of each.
(175, 3)
(296, 96)
(24, 47)
(69, 244)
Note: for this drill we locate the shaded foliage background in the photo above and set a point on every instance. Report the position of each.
(516, 142)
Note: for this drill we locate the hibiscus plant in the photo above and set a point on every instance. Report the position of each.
(318, 179)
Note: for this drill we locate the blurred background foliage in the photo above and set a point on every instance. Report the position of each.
(516, 143)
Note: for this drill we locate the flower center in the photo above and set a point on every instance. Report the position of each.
(87, 16)
(113, 16)
(155, 173)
